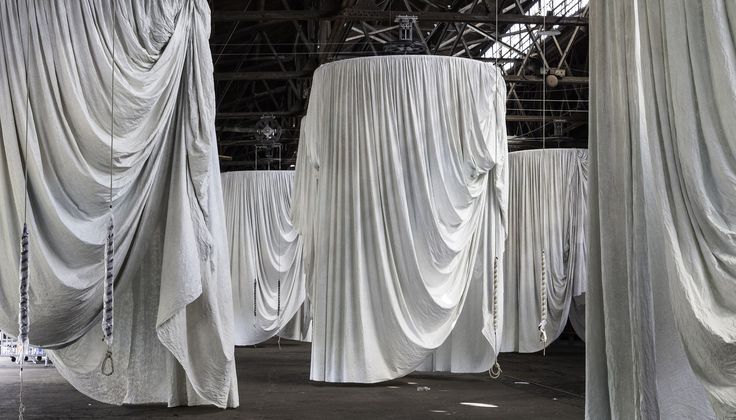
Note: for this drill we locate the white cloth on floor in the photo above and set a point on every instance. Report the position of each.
(173, 306)
(265, 252)
(391, 194)
(661, 301)
(547, 211)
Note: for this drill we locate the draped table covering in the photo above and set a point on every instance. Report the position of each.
(547, 211)
(173, 306)
(661, 301)
(391, 194)
(265, 249)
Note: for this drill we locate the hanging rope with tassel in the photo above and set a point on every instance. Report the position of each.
(255, 300)
(495, 370)
(23, 316)
(108, 366)
(543, 306)
(23, 343)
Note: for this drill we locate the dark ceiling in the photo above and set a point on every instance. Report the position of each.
(266, 51)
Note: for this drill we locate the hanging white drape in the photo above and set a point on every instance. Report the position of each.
(547, 211)
(475, 342)
(391, 195)
(661, 301)
(173, 306)
(265, 251)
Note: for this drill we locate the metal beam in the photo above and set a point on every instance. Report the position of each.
(567, 80)
(581, 117)
(307, 74)
(258, 114)
(389, 16)
(264, 75)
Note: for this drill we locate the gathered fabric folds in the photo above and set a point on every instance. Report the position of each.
(173, 307)
(265, 257)
(547, 212)
(661, 301)
(391, 195)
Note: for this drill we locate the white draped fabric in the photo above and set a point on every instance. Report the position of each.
(391, 194)
(173, 307)
(661, 301)
(472, 348)
(265, 256)
(547, 211)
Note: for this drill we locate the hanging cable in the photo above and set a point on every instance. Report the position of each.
(23, 296)
(108, 367)
(544, 82)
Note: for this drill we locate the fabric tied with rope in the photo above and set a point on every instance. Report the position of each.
(108, 367)
(543, 305)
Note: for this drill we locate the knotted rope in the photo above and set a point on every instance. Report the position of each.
(495, 370)
(543, 306)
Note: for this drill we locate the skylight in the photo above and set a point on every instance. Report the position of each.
(516, 41)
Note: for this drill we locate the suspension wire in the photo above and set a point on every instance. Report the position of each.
(544, 82)
(112, 101)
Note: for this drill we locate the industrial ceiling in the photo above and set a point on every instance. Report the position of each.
(265, 53)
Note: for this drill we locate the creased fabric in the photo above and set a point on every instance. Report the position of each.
(391, 194)
(173, 309)
(661, 301)
(547, 211)
(265, 250)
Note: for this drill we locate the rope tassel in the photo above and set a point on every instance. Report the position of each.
(108, 297)
(23, 322)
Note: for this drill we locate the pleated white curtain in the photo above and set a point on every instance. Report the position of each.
(391, 194)
(173, 306)
(265, 256)
(661, 301)
(547, 211)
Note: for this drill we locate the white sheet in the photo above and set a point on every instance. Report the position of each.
(265, 251)
(391, 195)
(547, 211)
(661, 302)
(173, 308)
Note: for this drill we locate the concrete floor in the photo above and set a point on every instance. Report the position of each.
(274, 384)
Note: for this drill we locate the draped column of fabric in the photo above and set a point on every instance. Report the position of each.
(661, 301)
(265, 251)
(173, 306)
(391, 194)
(547, 211)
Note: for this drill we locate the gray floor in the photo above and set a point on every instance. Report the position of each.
(274, 384)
